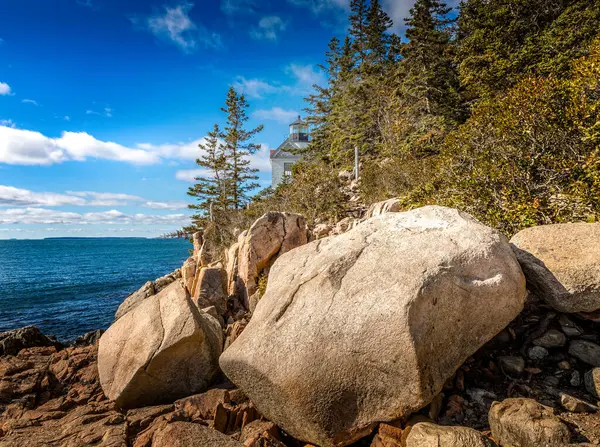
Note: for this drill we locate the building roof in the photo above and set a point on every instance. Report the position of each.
(281, 151)
(298, 121)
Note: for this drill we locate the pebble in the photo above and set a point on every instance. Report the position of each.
(568, 327)
(575, 405)
(551, 339)
(537, 353)
(575, 379)
(512, 364)
(592, 381)
(551, 380)
(586, 351)
(564, 365)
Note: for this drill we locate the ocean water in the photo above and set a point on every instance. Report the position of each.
(68, 287)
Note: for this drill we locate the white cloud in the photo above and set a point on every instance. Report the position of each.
(43, 216)
(4, 89)
(306, 76)
(67, 118)
(254, 88)
(276, 114)
(268, 28)
(303, 78)
(318, 6)
(189, 175)
(25, 147)
(259, 160)
(176, 26)
(182, 150)
(107, 112)
(11, 196)
(30, 101)
(237, 6)
(173, 205)
(8, 123)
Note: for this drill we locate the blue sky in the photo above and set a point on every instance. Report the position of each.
(103, 102)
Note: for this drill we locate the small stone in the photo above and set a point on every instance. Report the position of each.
(533, 371)
(526, 423)
(568, 327)
(592, 381)
(537, 353)
(426, 434)
(552, 381)
(551, 339)
(575, 379)
(586, 351)
(564, 365)
(512, 364)
(575, 405)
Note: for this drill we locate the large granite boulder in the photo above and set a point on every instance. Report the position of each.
(163, 349)
(562, 264)
(367, 326)
(270, 236)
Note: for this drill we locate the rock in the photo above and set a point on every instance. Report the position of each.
(11, 342)
(412, 295)
(591, 380)
(551, 339)
(568, 327)
(575, 405)
(188, 434)
(134, 299)
(269, 237)
(164, 281)
(203, 406)
(149, 289)
(575, 379)
(387, 206)
(537, 353)
(512, 364)
(564, 365)
(389, 435)
(586, 351)
(89, 338)
(562, 264)
(211, 289)
(188, 273)
(197, 241)
(163, 349)
(426, 434)
(523, 422)
(91, 424)
(322, 230)
(257, 431)
(233, 281)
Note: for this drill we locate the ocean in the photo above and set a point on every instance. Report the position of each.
(67, 287)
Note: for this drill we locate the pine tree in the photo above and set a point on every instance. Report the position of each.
(378, 38)
(241, 178)
(430, 75)
(211, 190)
(359, 23)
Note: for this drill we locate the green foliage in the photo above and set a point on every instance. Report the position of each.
(501, 41)
(531, 156)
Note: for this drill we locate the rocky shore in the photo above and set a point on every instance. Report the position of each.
(422, 328)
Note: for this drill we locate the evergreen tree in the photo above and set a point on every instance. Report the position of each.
(378, 38)
(211, 189)
(430, 75)
(241, 178)
(359, 23)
